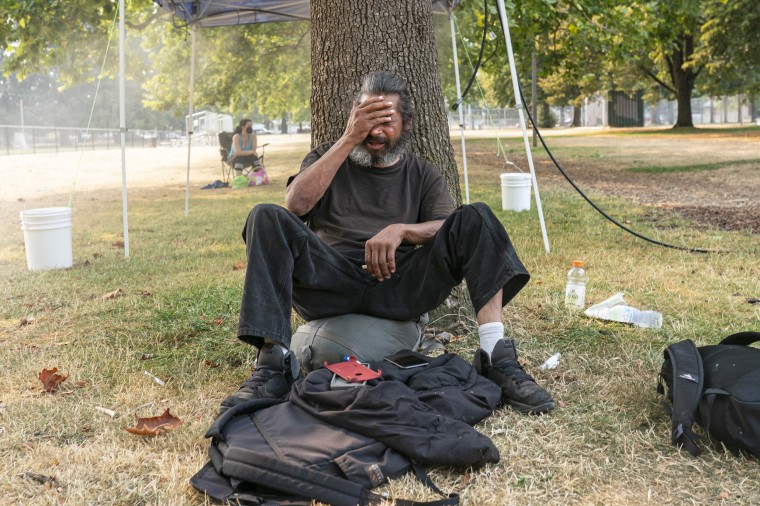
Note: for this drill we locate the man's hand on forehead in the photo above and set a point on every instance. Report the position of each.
(368, 114)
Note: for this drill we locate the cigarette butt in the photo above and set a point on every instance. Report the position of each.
(106, 411)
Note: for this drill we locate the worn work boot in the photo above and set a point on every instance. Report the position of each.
(274, 372)
(518, 388)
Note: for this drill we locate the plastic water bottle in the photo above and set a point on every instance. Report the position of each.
(627, 314)
(575, 291)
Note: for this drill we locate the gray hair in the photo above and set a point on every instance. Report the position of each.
(383, 82)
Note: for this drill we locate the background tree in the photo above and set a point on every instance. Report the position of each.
(250, 70)
(351, 39)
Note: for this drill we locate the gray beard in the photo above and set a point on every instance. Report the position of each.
(361, 156)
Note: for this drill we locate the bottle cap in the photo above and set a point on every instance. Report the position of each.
(577, 263)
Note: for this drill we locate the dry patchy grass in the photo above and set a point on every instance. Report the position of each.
(607, 443)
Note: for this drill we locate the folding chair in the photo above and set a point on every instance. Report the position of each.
(225, 143)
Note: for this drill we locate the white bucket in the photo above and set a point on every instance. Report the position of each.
(515, 191)
(47, 237)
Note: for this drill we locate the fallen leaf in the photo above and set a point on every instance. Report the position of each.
(237, 266)
(41, 479)
(50, 379)
(723, 495)
(562, 404)
(146, 293)
(80, 384)
(218, 321)
(209, 363)
(112, 295)
(117, 245)
(26, 320)
(145, 356)
(153, 426)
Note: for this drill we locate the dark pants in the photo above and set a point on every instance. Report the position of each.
(289, 266)
(246, 161)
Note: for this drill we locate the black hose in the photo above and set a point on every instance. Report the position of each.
(591, 202)
(480, 57)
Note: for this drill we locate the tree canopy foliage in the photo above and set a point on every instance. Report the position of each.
(660, 47)
(664, 48)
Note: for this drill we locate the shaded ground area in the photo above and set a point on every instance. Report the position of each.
(712, 178)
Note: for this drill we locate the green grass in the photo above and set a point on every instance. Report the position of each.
(607, 443)
(654, 169)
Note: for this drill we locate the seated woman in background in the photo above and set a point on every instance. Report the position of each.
(243, 150)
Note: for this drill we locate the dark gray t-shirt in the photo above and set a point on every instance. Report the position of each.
(361, 201)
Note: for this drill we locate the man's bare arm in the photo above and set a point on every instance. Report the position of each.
(310, 185)
(380, 250)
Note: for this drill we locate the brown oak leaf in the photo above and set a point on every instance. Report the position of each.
(50, 379)
(218, 321)
(153, 425)
(238, 266)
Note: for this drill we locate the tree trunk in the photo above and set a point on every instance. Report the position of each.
(576, 115)
(683, 78)
(350, 39)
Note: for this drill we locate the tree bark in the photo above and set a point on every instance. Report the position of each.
(683, 78)
(350, 39)
(576, 115)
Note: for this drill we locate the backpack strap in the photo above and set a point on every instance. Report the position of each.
(743, 338)
(276, 474)
(686, 390)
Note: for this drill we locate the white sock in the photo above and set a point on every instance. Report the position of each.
(490, 334)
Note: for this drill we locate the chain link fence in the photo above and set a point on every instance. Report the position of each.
(596, 113)
(29, 140)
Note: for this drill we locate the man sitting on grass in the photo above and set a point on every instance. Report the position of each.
(382, 239)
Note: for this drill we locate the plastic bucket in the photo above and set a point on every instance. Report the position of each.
(515, 191)
(47, 237)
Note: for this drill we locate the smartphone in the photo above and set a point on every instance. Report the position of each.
(407, 359)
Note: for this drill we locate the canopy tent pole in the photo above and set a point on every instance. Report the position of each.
(521, 114)
(461, 109)
(189, 122)
(123, 130)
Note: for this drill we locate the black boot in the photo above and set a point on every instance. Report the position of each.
(274, 373)
(518, 388)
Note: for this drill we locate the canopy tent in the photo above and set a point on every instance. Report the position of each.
(216, 13)
(210, 13)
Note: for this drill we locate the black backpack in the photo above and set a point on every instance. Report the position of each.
(334, 446)
(717, 386)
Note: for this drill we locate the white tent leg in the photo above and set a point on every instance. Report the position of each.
(190, 118)
(461, 109)
(123, 130)
(519, 106)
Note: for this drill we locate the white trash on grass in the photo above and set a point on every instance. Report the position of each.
(615, 309)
